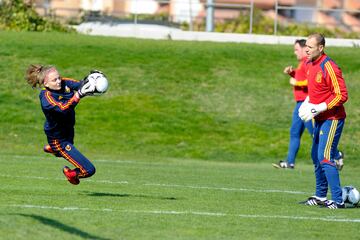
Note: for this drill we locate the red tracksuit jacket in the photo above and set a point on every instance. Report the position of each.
(300, 74)
(326, 84)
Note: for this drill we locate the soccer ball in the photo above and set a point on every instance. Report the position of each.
(350, 195)
(100, 81)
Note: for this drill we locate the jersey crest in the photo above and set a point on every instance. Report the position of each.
(318, 77)
(68, 148)
(67, 89)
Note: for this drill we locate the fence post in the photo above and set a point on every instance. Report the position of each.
(251, 16)
(190, 16)
(136, 12)
(276, 17)
(46, 7)
(209, 16)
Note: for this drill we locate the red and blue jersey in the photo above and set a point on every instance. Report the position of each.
(58, 107)
(326, 84)
(300, 74)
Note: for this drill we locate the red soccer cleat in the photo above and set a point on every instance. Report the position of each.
(71, 175)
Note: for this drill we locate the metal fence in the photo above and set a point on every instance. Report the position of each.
(190, 16)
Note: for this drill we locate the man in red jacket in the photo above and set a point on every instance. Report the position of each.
(298, 79)
(327, 94)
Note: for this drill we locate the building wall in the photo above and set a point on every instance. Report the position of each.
(182, 10)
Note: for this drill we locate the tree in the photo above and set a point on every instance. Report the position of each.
(20, 15)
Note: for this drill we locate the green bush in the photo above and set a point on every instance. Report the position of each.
(20, 16)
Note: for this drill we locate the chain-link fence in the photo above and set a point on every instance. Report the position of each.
(205, 15)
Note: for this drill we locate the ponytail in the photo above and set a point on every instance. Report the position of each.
(35, 74)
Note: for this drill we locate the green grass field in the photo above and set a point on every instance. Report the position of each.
(183, 143)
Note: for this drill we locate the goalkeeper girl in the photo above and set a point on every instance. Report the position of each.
(59, 97)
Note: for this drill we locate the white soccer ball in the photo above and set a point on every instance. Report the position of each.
(100, 81)
(350, 195)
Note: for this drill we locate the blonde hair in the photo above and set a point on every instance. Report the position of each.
(36, 74)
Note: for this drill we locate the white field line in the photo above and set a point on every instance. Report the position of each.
(96, 160)
(226, 189)
(208, 214)
(166, 185)
(46, 158)
(61, 179)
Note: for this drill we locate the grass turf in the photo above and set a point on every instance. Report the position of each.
(165, 199)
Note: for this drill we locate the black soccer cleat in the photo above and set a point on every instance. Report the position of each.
(314, 201)
(333, 205)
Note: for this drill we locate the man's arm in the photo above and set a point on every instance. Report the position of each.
(339, 94)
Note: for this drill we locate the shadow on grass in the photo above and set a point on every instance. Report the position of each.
(102, 194)
(63, 227)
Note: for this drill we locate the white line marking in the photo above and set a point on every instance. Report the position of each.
(168, 185)
(63, 179)
(45, 158)
(155, 184)
(107, 181)
(27, 177)
(50, 207)
(226, 189)
(210, 214)
(165, 162)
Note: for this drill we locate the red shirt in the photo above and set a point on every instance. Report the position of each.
(300, 88)
(326, 84)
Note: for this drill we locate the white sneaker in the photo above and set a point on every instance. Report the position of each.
(283, 164)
